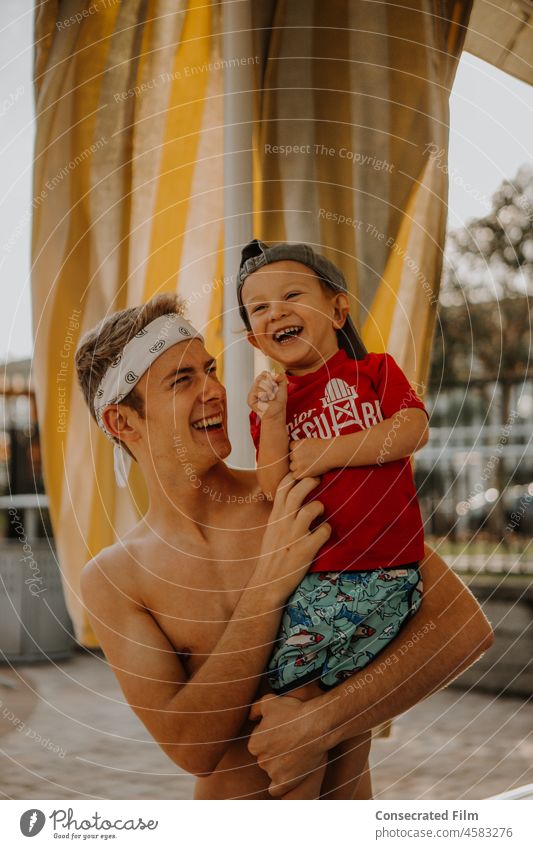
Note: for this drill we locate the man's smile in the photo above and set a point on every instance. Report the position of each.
(209, 423)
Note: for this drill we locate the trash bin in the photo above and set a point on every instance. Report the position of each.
(34, 622)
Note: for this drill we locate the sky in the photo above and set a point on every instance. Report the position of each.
(491, 123)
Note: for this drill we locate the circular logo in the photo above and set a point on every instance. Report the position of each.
(157, 346)
(185, 332)
(131, 377)
(116, 361)
(32, 822)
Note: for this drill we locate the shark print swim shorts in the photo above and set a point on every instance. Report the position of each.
(337, 622)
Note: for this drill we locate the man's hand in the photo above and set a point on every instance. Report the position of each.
(268, 396)
(289, 546)
(311, 457)
(284, 742)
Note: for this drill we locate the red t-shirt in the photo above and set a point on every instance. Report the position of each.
(373, 510)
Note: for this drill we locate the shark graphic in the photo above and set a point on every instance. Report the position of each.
(298, 616)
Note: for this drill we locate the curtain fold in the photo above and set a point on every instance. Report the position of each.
(354, 113)
(350, 112)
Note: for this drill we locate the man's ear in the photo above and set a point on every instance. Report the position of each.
(341, 309)
(118, 420)
(252, 340)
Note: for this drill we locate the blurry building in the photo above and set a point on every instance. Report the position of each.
(476, 471)
(20, 454)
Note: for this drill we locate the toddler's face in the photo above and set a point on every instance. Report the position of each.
(293, 317)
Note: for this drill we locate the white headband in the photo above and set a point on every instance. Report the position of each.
(127, 369)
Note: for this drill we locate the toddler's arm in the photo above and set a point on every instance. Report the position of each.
(268, 398)
(391, 439)
(403, 431)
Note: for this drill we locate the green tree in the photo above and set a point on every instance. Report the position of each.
(484, 325)
(485, 315)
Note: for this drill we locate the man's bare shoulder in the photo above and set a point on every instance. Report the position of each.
(111, 575)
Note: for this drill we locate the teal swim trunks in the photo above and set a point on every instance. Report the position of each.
(337, 622)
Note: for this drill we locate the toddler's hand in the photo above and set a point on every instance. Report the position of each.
(268, 395)
(310, 457)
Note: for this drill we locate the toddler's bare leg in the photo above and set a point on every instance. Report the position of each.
(310, 787)
(364, 785)
(344, 772)
(348, 775)
(311, 784)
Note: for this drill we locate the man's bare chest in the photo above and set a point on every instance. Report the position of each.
(192, 591)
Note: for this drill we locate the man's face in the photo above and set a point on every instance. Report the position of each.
(185, 408)
(291, 314)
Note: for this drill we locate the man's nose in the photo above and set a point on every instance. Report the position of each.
(212, 389)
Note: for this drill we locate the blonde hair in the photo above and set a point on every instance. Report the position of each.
(100, 346)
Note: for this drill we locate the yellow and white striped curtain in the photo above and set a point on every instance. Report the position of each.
(350, 145)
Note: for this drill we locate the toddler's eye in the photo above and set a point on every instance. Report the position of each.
(293, 294)
(258, 307)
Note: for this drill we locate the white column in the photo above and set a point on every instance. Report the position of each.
(238, 85)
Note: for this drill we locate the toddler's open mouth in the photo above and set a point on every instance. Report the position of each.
(287, 334)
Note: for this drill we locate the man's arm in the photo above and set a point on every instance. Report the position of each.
(195, 720)
(391, 439)
(447, 634)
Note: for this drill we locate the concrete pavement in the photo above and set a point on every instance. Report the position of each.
(67, 733)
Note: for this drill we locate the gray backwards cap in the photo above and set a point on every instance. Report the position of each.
(256, 254)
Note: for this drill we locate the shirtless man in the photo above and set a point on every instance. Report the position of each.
(186, 605)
